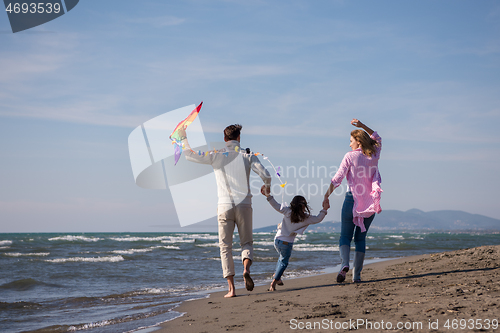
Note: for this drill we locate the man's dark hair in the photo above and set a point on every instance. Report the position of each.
(232, 132)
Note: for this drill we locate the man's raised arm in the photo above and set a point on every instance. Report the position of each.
(189, 153)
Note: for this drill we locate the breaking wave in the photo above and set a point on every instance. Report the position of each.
(70, 238)
(82, 259)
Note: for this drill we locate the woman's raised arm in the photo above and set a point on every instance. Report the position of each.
(357, 123)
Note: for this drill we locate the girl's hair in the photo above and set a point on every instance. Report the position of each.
(300, 209)
(368, 145)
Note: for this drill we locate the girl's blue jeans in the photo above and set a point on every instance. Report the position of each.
(348, 229)
(285, 251)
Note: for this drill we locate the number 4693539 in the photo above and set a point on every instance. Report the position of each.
(471, 324)
(33, 8)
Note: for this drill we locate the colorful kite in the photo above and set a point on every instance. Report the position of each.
(176, 138)
(178, 146)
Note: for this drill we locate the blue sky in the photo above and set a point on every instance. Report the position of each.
(424, 74)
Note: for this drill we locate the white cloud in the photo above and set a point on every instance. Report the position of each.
(158, 21)
(36, 55)
(101, 110)
(205, 68)
(415, 154)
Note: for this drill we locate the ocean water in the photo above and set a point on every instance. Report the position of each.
(123, 282)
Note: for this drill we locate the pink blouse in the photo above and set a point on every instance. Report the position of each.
(364, 180)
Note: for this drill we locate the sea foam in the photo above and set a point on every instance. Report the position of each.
(71, 238)
(314, 247)
(149, 249)
(82, 259)
(17, 254)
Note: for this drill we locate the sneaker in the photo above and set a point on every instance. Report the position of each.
(342, 273)
(357, 281)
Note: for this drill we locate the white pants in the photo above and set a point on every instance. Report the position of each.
(228, 217)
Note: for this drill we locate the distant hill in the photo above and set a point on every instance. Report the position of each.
(415, 219)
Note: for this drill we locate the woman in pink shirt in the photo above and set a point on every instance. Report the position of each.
(362, 200)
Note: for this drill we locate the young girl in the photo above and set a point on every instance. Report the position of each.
(295, 220)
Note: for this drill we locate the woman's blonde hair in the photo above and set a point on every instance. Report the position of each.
(368, 145)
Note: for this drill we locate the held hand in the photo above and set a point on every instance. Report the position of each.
(326, 204)
(356, 122)
(265, 190)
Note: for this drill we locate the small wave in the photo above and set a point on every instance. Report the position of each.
(4, 247)
(264, 243)
(17, 254)
(149, 249)
(265, 259)
(87, 301)
(26, 284)
(82, 259)
(159, 291)
(202, 236)
(294, 274)
(180, 239)
(396, 236)
(5, 242)
(186, 238)
(116, 321)
(170, 247)
(132, 251)
(314, 247)
(74, 328)
(101, 323)
(208, 245)
(70, 238)
(139, 239)
(18, 305)
(237, 258)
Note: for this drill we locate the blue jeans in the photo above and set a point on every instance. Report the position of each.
(348, 228)
(285, 251)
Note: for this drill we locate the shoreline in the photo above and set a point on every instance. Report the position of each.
(209, 293)
(417, 289)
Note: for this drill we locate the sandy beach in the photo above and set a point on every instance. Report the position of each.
(456, 291)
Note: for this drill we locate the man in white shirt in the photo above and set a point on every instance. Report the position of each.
(232, 171)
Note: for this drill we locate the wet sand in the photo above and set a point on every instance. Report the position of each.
(456, 291)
